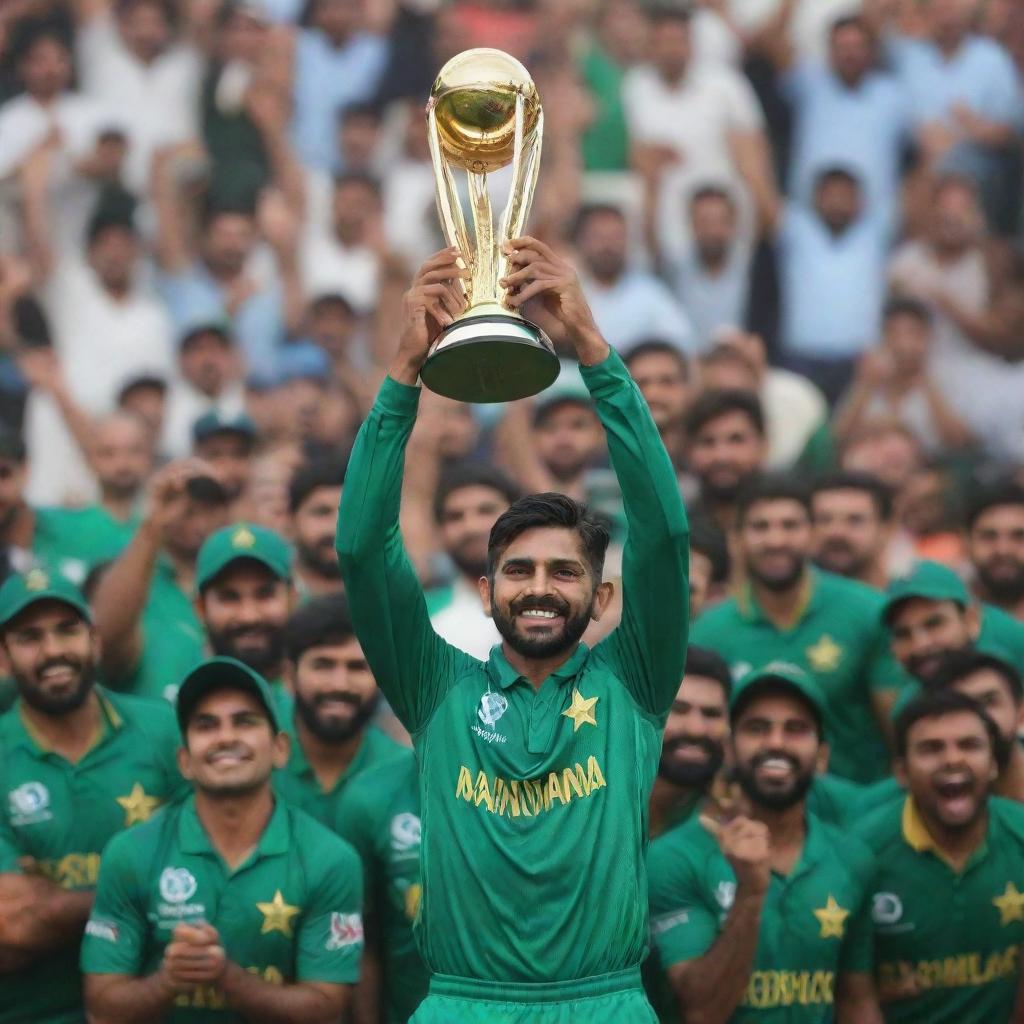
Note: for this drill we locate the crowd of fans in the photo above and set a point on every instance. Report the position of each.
(797, 221)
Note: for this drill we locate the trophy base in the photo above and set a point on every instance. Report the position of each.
(490, 357)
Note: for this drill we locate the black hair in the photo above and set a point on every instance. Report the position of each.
(901, 305)
(218, 206)
(850, 21)
(936, 703)
(358, 178)
(1003, 492)
(714, 404)
(327, 299)
(771, 487)
(319, 622)
(827, 175)
(472, 474)
(544, 410)
(144, 380)
(958, 665)
(707, 539)
(709, 191)
(550, 510)
(702, 661)
(26, 33)
(664, 11)
(12, 445)
(657, 347)
(356, 111)
(589, 210)
(323, 472)
(858, 480)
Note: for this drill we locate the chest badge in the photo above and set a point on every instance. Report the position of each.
(492, 707)
(825, 655)
(832, 919)
(138, 805)
(1010, 905)
(277, 916)
(581, 711)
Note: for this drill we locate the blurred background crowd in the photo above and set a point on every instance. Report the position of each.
(798, 219)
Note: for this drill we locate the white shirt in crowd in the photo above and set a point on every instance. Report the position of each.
(185, 404)
(462, 622)
(638, 307)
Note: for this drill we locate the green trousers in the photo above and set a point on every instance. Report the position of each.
(607, 999)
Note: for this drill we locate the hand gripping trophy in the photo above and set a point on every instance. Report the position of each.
(484, 114)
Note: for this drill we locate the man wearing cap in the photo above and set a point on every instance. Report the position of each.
(766, 916)
(79, 765)
(534, 767)
(229, 905)
(948, 893)
(226, 442)
(244, 597)
(151, 635)
(335, 700)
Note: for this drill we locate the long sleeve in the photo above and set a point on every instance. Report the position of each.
(413, 666)
(648, 648)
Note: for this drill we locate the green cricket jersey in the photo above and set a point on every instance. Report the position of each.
(815, 924)
(63, 814)
(379, 814)
(291, 912)
(73, 540)
(299, 786)
(839, 639)
(953, 936)
(533, 802)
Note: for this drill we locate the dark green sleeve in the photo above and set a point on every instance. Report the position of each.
(413, 666)
(115, 936)
(684, 925)
(648, 649)
(355, 823)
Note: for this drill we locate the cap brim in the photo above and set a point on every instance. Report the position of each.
(219, 674)
(754, 688)
(35, 597)
(920, 594)
(240, 556)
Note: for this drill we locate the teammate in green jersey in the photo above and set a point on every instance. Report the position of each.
(379, 814)
(534, 767)
(79, 765)
(335, 700)
(766, 916)
(948, 903)
(229, 906)
(828, 625)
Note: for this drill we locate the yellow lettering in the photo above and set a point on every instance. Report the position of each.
(483, 792)
(554, 789)
(513, 792)
(464, 787)
(533, 794)
(574, 780)
(528, 797)
(595, 780)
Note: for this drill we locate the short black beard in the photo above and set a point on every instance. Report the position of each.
(320, 565)
(688, 773)
(778, 584)
(337, 731)
(771, 800)
(853, 568)
(573, 630)
(720, 494)
(64, 705)
(471, 568)
(1003, 591)
(264, 661)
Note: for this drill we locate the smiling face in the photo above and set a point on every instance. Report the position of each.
(993, 693)
(948, 768)
(995, 545)
(776, 749)
(230, 746)
(335, 692)
(774, 542)
(724, 453)
(52, 652)
(245, 608)
(921, 631)
(693, 746)
(849, 534)
(543, 593)
(314, 524)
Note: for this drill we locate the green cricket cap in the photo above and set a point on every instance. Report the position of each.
(777, 674)
(222, 674)
(929, 580)
(25, 589)
(243, 540)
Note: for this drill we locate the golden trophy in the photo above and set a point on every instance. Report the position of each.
(484, 114)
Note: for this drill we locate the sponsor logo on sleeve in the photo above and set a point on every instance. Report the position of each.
(345, 930)
(405, 833)
(105, 930)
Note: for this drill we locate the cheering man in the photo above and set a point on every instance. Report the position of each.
(534, 767)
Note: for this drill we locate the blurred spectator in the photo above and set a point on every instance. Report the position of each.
(895, 380)
(629, 304)
(136, 58)
(662, 374)
(313, 497)
(709, 566)
(568, 440)
(832, 278)
(995, 546)
(145, 397)
(338, 59)
(886, 449)
(227, 443)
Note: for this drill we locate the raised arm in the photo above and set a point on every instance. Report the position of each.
(649, 646)
(414, 666)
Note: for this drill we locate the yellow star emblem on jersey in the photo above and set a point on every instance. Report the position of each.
(825, 655)
(1010, 904)
(243, 537)
(138, 805)
(582, 710)
(277, 915)
(832, 918)
(36, 579)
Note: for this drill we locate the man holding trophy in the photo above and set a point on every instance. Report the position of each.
(534, 766)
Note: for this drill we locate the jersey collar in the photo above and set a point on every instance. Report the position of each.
(504, 675)
(750, 610)
(23, 732)
(920, 840)
(192, 837)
